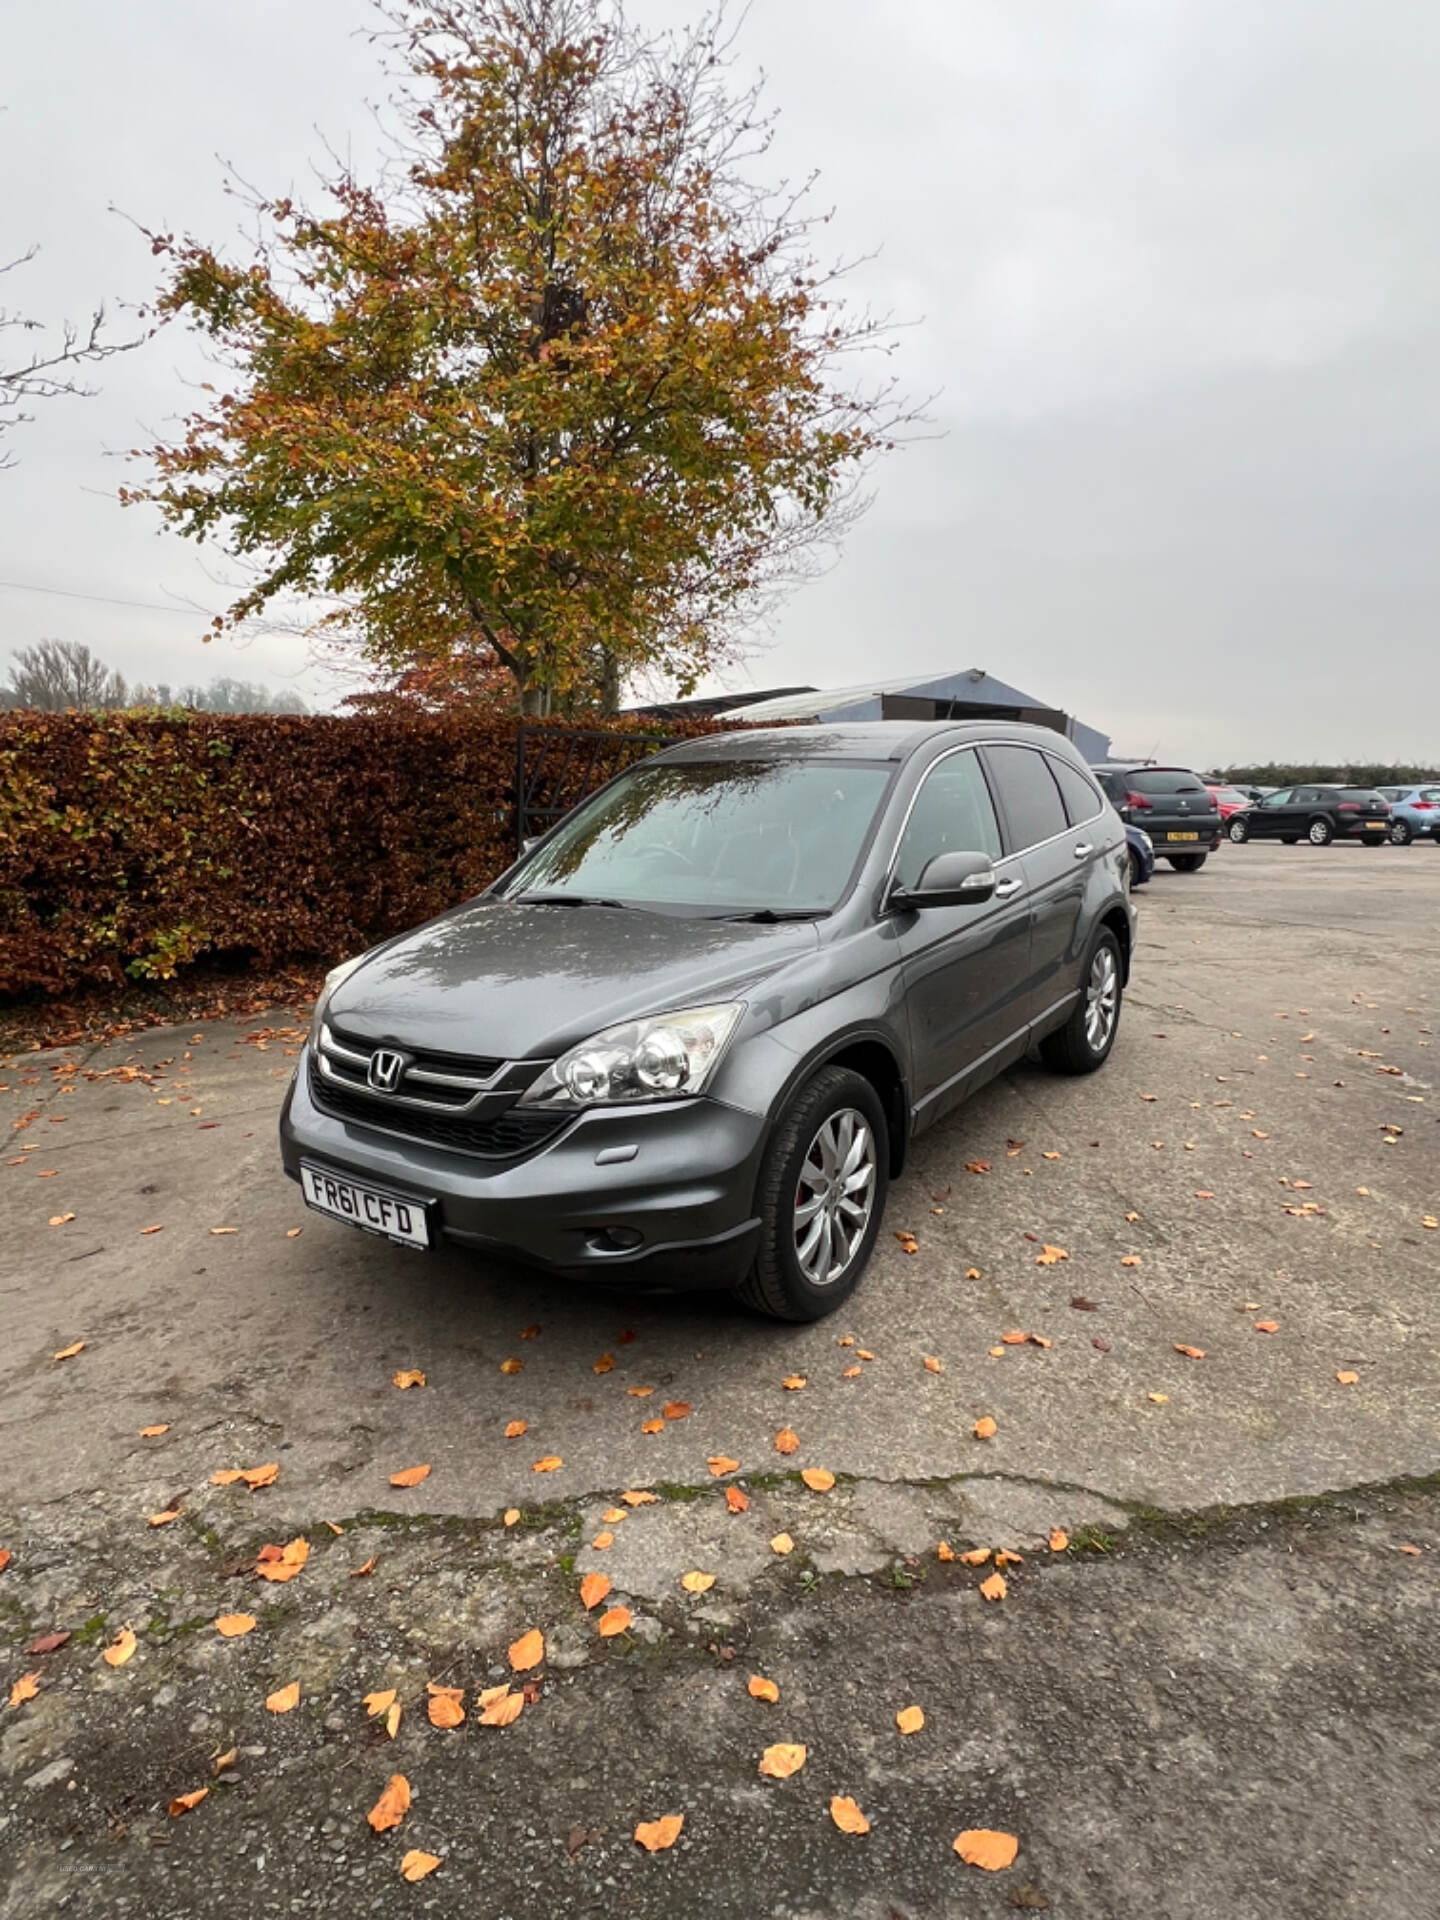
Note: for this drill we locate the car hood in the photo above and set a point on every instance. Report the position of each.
(495, 979)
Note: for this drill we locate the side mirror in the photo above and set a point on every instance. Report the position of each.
(949, 880)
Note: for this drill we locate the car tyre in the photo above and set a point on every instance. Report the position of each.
(1083, 1044)
(1137, 872)
(1401, 833)
(834, 1107)
(1239, 830)
(1320, 833)
(1289, 839)
(1187, 862)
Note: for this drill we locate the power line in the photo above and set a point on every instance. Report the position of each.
(105, 599)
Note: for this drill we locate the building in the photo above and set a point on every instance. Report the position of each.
(969, 695)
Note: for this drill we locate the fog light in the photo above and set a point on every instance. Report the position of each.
(615, 1240)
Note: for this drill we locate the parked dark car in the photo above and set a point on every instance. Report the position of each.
(1317, 814)
(1172, 804)
(688, 1037)
(1142, 854)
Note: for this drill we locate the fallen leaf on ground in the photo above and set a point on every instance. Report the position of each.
(612, 1516)
(932, 1365)
(503, 1710)
(976, 1557)
(1048, 1256)
(846, 1340)
(25, 1688)
(162, 1519)
(143, 1230)
(996, 1587)
(639, 1497)
(232, 1625)
(151, 1433)
(408, 1377)
(515, 1428)
(602, 1541)
(983, 1847)
(944, 1551)
(656, 1835)
(984, 1428)
(392, 1806)
(593, 1589)
(550, 1464)
(1005, 1558)
(284, 1699)
(676, 1409)
(793, 1382)
(1059, 1540)
(219, 1230)
(1039, 1340)
(972, 1273)
(224, 1761)
(615, 1621)
(1013, 1339)
(1190, 1353)
(779, 1762)
(512, 1516)
(910, 1719)
(652, 1426)
(409, 1476)
(1267, 1326)
(782, 1543)
(120, 1648)
(737, 1501)
(720, 1464)
(852, 1373)
(293, 1233)
(59, 1220)
(1130, 1260)
(1347, 1379)
(697, 1582)
(787, 1440)
(48, 1643)
(977, 1166)
(761, 1689)
(1160, 1399)
(444, 1707)
(639, 1393)
(818, 1479)
(288, 1563)
(359, 1573)
(512, 1366)
(847, 1816)
(416, 1865)
(605, 1364)
(1406, 1547)
(183, 1802)
(69, 1353)
(529, 1333)
(908, 1242)
(528, 1651)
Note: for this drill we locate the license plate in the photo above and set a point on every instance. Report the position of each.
(1377, 823)
(1182, 836)
(388, 1214)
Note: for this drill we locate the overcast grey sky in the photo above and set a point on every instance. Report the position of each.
(1171, 264)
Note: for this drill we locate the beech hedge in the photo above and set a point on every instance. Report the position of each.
(137, 843)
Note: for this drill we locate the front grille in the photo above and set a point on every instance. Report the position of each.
(460, 1075)
(500, 1136)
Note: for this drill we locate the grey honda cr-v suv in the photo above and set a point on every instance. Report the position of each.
(686, 1039)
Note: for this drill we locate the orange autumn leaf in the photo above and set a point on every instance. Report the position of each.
(1267, 1326)
(852, 1373)
(59, 1220)
(407, 1377)
(150, 1433)
(984, 1428)
(224, 1761)
(793, 1382)
(614, 1621)
(779, 1762)
(503, 1710)
(120, 1648)
(183, 1802)
(265, 1476)
(656, 1835)
(1004, 1558)
(162, 1519)
(910, 1719)
(996, 1587)
(605, 1364)
(528, 1651)
(932, 1365)
(529, 1333)
(392, 1806)
(1059, 1540)
(392, 1719)
(1407, 1546)
(1130, 1260)
(818, 1479)
(379, 1702)
(1347, 1379)
(782, 1544)
(550, 1464)
(639, 1497)
(612, 1516)
(25, 1688)
(409, 1476)
(593, 1589)
(1190, 1353)
(443, 1707)
(976, 1557)
(69, 1353)
(697, 1582)
(512, 1516)
(720, 1464)
(1014, 1339)
(1048, 1256)
(761, 1689)
(512, 1366)
(639, 1393)
(944, 1551)
(982, 1847)
(652, 1426)
(737, 1501)
(602, 1541)
(416, 1864)
(675, 1409)
(1039, 1340)
(515, 1428)
(359, 1573)
(283, 1699)
(787, 1440)
(289, 1562)
(230, 1626)
(847, 1815)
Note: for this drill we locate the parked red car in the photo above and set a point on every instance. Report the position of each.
(1228, 799)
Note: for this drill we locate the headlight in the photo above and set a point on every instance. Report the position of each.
(658, 1058)
(332, 981)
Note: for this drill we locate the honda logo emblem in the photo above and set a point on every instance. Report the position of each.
(386, 1068)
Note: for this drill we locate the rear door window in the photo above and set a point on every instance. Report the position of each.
(1082, 802)
(1029, 798)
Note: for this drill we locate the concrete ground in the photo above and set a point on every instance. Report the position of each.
(1180, 1711)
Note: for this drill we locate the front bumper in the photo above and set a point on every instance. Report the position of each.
(686, 1191)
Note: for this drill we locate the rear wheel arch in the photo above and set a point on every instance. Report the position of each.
(1118, 921)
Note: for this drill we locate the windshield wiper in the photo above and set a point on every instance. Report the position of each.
(566, 900)
(768, 916)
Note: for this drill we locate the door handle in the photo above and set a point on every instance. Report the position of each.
(1083, 849)
(1004, 888)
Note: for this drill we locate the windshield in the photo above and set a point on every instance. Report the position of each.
(736, 836)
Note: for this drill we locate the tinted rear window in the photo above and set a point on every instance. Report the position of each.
(1082, 802)
(1164, 780)
(1359, 793)
(1028, 795)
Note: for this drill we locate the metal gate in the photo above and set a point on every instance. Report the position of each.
(557, 767)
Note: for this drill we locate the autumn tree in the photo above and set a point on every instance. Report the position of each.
(565, 389)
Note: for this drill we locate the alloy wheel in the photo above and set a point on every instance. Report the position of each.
(835, 1197)
(1102, 999)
